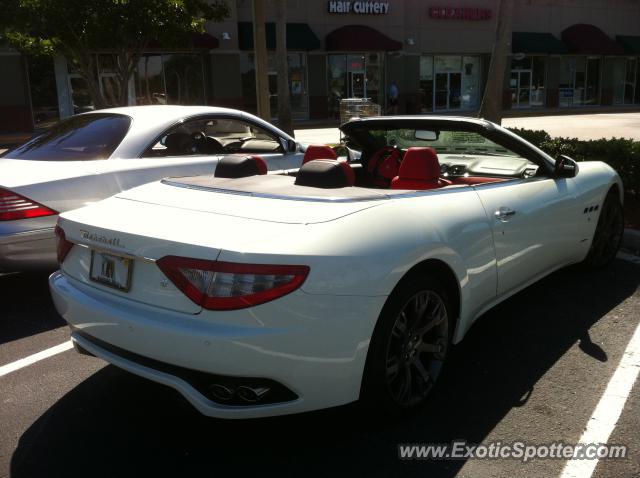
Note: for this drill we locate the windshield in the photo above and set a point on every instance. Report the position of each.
(80, 138)
(448, 142)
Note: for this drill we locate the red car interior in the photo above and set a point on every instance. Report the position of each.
(420, 169)
(318, 151)
(384, 165)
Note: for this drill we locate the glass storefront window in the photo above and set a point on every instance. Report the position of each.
(630, 81)
(470, 81)
(109, 84)
(356, 75)
(538, 75)
(184, 79)
(337, 73)
(617, 68)
(592, 91)
(44, 95)
(637, 92)
(449, 82)
(448, 63)
(149, 79)
(297, 83)
(79, 90)
(426, 83)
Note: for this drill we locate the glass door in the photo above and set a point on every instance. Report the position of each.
(630, 81)
(441, 91)
(448, 91)
(592, 92)
(520, 85)
(357, 87)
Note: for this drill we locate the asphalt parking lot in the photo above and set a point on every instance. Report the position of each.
(532, 369)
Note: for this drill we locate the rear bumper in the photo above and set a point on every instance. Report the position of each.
(315, 346)
(28, 250)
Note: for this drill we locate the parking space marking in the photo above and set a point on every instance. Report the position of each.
(609, 408)
(31, 359)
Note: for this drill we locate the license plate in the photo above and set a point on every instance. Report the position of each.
(111, 270)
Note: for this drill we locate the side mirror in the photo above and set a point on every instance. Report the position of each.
(288, 145)
(566, 167)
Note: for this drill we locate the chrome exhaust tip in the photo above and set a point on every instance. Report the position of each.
(252, 394)
(221, 392)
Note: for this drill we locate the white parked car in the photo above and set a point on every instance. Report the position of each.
(273, 294)
(92, 156)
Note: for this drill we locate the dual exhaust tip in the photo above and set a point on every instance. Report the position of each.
(246, 394)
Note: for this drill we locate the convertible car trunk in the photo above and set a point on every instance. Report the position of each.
(195, 218)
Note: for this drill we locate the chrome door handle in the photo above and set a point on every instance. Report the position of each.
(503, 213)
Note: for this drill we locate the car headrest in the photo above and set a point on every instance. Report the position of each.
(178, 143)
(325, 173)
(420, 163)
(240, 166)
(318, 151)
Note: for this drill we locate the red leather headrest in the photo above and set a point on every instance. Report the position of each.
(420, 163)
(318, 151)
(261, 164)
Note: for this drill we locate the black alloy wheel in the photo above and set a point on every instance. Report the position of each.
(608, 234)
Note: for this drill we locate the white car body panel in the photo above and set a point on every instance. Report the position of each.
(314, 340)
(67, 185)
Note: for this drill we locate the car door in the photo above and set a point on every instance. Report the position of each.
(536, 227)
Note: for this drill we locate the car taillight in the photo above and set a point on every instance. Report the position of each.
(229, 286)
(62, 245)
(13, 206)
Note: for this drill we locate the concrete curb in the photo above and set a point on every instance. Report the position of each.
(631, 241)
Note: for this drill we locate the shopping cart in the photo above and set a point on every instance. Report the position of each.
(357, 108)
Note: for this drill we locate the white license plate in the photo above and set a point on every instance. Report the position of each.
(111, 270)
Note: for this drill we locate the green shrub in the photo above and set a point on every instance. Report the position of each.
(623, 155)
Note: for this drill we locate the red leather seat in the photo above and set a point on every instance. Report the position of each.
(420, 170)
(318, 151)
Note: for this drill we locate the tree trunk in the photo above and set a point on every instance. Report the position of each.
(491, 107)
(260, 56)
(284, 98)
(87, 69)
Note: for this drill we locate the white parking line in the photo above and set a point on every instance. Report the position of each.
(609, 408)
(31, 359)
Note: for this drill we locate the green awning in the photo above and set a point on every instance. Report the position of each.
(540, 43)
(299, 36)
(631, 44)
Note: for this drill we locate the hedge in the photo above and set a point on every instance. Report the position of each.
(623, 155)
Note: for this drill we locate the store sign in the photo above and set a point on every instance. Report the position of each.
(459, 13)
(375, 8)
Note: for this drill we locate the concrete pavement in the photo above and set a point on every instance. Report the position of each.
(531, 369)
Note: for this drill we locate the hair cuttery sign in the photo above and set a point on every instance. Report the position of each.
(376, 8)
(459, 13)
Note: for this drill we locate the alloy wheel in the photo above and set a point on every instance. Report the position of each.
(416, 348)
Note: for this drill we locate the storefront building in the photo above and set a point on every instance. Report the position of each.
(565, 56)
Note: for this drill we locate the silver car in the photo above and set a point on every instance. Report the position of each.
(92, 156)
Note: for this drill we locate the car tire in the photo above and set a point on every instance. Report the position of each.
(608, 234)
(408, 348)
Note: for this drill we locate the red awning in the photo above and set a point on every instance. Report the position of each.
(590, 40)
(360, 38)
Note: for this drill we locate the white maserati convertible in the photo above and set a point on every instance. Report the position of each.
(92, 156)
(264, 294)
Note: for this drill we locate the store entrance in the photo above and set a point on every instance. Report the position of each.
(357, 85)
(447, 90)
(520, 85)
